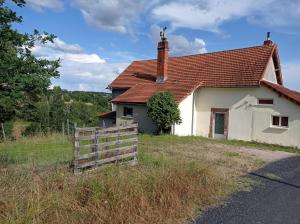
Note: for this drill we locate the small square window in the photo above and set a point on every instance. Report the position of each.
(265, 101)
(128, 111)
(284, 121)
(275, 120)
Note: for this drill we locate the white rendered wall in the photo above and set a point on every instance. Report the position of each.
(270, 74)
(186, 108)
(248, 120)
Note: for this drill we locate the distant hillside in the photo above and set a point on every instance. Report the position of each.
(101, 99)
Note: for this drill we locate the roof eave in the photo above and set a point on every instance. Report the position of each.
(263, 83)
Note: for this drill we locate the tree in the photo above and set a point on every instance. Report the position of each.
(57, 109)
(163, 110)
(42, 114)
(24, 78)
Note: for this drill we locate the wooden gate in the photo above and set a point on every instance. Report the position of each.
(97, 146)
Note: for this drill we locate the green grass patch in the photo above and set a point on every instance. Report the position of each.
(40, 150)
(176, 177)
(191, 139)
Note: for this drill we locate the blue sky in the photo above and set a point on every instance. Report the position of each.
(97, 39)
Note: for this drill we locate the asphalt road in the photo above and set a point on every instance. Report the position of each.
(274, 200)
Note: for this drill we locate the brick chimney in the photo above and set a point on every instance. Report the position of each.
(162, 58)
(268, 41)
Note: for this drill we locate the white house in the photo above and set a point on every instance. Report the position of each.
(234, 94)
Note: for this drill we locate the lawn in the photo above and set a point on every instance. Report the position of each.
(176, 178)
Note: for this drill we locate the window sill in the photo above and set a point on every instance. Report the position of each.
(279, 127)
(265, 105)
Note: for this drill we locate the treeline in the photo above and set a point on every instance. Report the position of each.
(59, 111)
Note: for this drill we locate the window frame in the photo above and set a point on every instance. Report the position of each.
(279, 123)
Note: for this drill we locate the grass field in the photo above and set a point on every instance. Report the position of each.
(176, 179)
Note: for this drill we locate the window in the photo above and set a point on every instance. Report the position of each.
(275, 121)
(280, 121)
(265, 101)
(128, 111)
(284, 121)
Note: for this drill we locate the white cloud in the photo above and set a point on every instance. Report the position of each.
(43, 4)
(291, 74)
(60, 45)
(210, 14)
(123, 15)
(79, 70)
(114, 15)
(278, 13)
(178, 44)
(83, 58)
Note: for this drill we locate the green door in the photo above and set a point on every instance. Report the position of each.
(219, 123)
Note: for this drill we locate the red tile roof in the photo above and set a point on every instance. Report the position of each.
(140, 93)
(111, 114)
(233, 68)
(292, 95)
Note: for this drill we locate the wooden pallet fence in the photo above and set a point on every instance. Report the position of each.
(96, 146)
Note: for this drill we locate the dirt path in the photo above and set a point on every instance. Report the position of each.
(264, 155)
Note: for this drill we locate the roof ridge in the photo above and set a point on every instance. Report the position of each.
(207, 53)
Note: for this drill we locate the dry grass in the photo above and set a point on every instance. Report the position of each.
(176, 178)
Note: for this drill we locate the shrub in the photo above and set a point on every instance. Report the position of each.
(163, 110)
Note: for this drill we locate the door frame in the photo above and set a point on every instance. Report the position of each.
(225, 111)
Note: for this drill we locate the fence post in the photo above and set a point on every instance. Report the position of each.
(136, 148)
(68, 127)
(63, 129)
(75, 126)
(76, 151)
(3, 132)
(94, 149)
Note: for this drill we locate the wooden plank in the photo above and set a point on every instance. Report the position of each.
(87, 155)
(76, 153)
(117, 134)
(118, 128)
(115, 158)
(107, 160)
(95, 148)
(108, 135)
(108, 152)
(87, 164)
(87, 129)
(111, 143)
(85, 137)
(107, 129)
(119, 150)
(118, 142)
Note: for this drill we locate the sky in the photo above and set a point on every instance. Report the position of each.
(97, 39)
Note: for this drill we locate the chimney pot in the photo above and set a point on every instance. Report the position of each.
(268, 41)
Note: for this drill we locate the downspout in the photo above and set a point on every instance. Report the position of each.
(193, 107)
